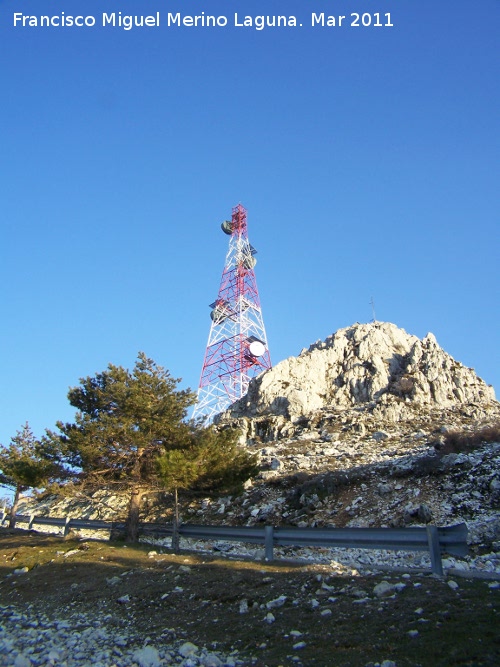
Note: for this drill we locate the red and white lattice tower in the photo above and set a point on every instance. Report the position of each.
(237, 347)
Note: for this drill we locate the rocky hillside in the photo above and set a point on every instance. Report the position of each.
(372, 427)
(362, 430)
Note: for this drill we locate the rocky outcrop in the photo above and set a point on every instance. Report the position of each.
(358, 426)
(377, 365)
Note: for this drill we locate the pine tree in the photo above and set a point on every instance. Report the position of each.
(211, 461)
(124, 421)
(23, 466)
(226, 465)
(178, 470)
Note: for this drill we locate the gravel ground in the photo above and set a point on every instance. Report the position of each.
(70, 603)
(83, 640)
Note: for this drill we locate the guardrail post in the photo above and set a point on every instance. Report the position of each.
(66, 526)
(435, 550)
(31, 521)
(268, 542)
(3, 514)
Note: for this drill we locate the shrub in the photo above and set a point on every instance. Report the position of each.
(466, 441)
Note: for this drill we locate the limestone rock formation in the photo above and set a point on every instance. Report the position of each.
(360, 428)
(376, 363)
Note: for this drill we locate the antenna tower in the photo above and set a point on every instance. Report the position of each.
(237, 347)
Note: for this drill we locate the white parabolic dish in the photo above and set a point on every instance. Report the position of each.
(257, 348)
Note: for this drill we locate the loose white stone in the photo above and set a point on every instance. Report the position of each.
(188, 649)
(72, 552)
(210, 660)
(384, 589)
(278, 602)
(453, 585)
(147, 656)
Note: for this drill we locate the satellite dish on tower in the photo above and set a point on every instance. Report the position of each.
(257, 348)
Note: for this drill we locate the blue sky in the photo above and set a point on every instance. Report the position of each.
(367, 159)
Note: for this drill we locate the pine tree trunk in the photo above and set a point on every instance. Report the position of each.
(132, 523)
(175, 524)
(13, 511)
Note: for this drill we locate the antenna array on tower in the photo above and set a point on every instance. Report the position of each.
(237, 347)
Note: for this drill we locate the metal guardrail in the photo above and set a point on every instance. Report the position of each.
(450, 539)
